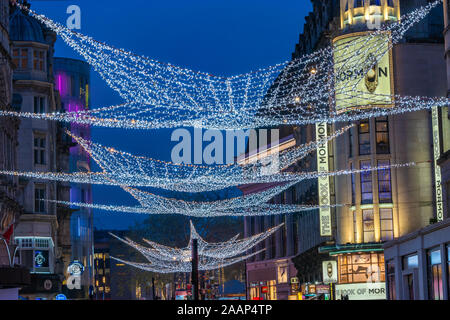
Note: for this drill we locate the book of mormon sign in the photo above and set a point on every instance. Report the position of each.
(356, 89)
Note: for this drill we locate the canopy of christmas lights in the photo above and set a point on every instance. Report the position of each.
(164, 259)
(153, 201)
(123, 169)
(259, 210)
(297, 92)
(249, 205)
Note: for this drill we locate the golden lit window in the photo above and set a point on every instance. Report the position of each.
(361, 267)
(38, 60)
(20, 58)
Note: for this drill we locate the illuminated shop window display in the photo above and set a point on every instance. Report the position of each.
(361, 268)
(35, 253)
(263, 290)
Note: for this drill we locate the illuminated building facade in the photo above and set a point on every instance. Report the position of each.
(387, 204)
(291, 258)
(102, 272)
(112, 279)
(10, 210)
(379, 206)
(272, 273)
(41, 233)
(72, 80)
(418, 263)
(444, 160)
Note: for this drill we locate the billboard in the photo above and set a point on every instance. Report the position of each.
(353, 54)
(362, 291)
(323, 181)
(330, 272)
(437, 168)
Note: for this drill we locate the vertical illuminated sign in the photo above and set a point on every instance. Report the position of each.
(323, 181)
(437, 169)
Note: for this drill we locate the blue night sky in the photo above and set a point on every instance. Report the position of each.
(222, 37)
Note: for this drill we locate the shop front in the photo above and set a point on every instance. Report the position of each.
(361, 271)
(270, 279)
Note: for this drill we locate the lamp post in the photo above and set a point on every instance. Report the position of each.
(195, 269)
(153, 288)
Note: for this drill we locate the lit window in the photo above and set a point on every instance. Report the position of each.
(35, 254)
(368, 226)
(382, 135)
(387, 227)
(41, 243)
(435, 275)
(364, 138)
(361, 268)
(20, 58)
(366, 183)
(353, 185)
(384, 182)
(38, 60)
(39, 199)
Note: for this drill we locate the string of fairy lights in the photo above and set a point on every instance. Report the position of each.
(227, 249)
(204, 208)
(296, 92)
(164, 259)
(124, 169)
(249, 205)
(161, 95)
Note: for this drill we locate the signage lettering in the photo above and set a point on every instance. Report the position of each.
(437, 169)
(367, 73)
(323, 182)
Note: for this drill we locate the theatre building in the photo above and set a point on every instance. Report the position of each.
(418, 263)
(378, 207)
(387, 204)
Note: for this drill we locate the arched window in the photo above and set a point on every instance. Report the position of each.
(375, 2)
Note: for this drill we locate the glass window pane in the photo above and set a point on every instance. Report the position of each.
(387, 235)
(435, 257)
(386, 225)
(410, 262)
(386, 214)
(364, 127)
(382, 126)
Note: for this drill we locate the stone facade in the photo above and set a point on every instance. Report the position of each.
(43, 229)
